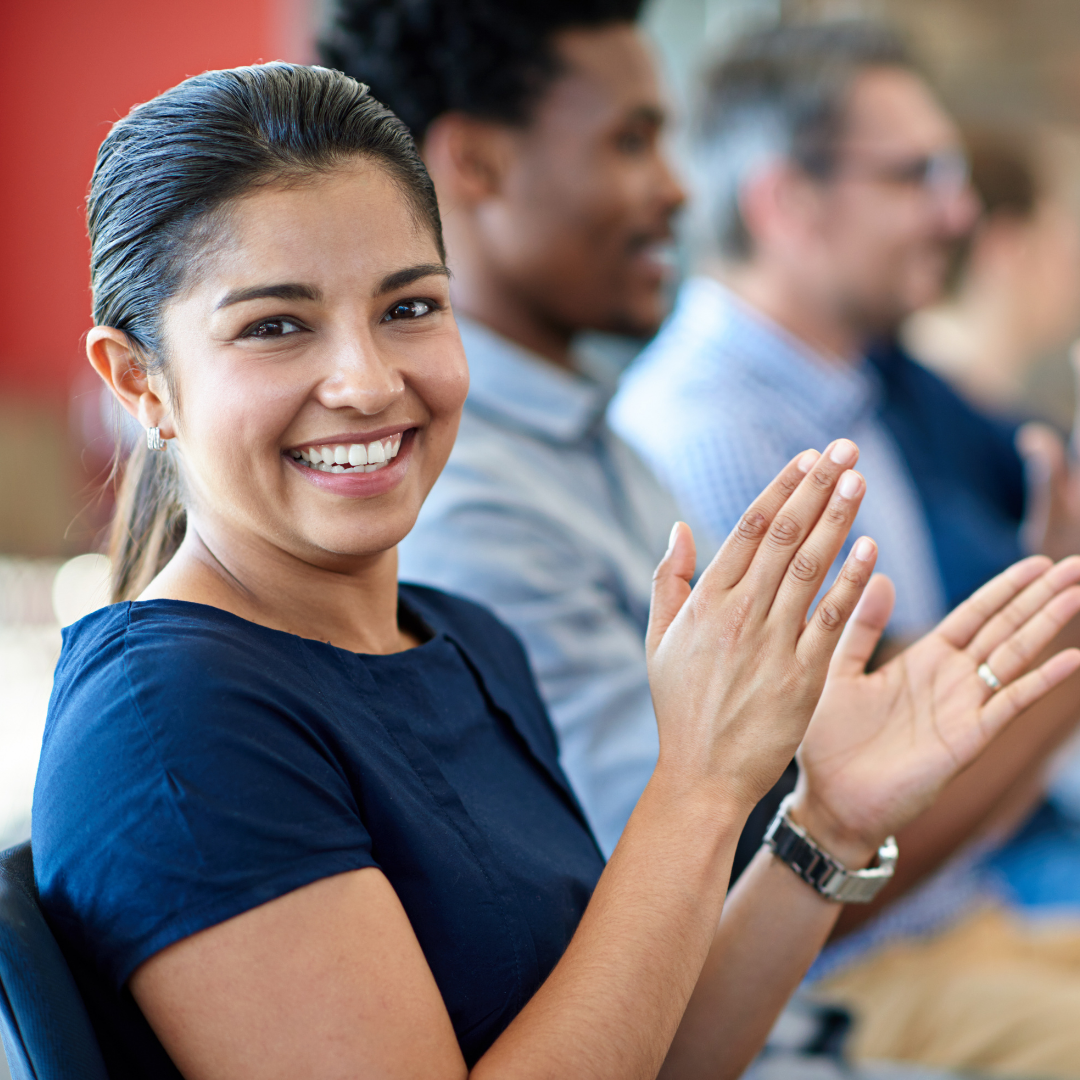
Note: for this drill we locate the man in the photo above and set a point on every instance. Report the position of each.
(541, 131)
(541, 127)
(830, 191)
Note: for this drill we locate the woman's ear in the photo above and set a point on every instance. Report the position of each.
(114, 358)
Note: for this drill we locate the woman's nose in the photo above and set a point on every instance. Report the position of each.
(361, 378)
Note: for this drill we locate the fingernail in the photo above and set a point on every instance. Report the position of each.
(849, 485)
(843, 452)
(863, 549)
(671, 538)
(806, 462)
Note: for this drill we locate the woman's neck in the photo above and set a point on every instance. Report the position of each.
(353, 606)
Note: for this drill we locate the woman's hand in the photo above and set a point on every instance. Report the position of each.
(734, 666)
(881, 746)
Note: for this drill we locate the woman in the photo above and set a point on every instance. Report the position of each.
(293, 819)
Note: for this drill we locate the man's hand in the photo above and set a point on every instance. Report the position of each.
(881, 746)
(1052, 523)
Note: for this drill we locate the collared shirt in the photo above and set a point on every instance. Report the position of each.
(552, 521)
(723, 398)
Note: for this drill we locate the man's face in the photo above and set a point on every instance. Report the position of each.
(582, 226)
(895, 205)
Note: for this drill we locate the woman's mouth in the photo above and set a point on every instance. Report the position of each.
(349, 457)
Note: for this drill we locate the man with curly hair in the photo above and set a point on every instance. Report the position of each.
(541, 128)
(541, 125)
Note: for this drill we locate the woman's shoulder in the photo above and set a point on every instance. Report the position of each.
(192, 648)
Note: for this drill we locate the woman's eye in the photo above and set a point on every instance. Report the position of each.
(410, 309)
(269, 328)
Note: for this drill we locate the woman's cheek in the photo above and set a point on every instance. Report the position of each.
(442, 381)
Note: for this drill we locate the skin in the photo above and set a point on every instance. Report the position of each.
(336, 372)
(329, 980)
(836, 262)
(557, 226)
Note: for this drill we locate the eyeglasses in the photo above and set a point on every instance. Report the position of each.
(944, 173)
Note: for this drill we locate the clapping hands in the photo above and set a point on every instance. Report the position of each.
(738, 669)
(881, 746)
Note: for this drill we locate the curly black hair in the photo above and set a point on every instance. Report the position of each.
(486, 58)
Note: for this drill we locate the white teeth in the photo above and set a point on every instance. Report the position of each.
(354, 456)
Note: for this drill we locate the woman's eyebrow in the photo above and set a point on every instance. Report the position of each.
(410, 274)
(286, 291)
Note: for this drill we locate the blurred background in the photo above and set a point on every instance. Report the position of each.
(1009, 69)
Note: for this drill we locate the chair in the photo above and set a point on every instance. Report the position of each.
(46, 1031)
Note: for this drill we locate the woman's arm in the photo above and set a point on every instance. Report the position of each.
(329, 980)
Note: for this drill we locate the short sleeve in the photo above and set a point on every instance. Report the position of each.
(188, 774)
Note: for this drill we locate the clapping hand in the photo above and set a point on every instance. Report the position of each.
(881, 746)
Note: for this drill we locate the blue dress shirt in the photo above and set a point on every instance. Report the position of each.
(723, 398)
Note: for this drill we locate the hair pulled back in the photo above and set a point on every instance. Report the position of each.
(160, 175)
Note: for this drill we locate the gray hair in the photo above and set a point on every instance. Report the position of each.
(779, 95)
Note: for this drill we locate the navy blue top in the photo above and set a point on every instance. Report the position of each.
(196, 765)
(965, 467)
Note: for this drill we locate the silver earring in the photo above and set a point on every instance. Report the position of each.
(154, 441)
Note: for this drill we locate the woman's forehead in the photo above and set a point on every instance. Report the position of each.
(352, 223)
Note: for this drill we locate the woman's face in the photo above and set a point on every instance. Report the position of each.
(318, 371)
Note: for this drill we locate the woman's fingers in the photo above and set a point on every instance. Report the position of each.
(1016, 613)
(810, 564)
(835, 607)
(1018, 695)
(864, 629)
(794, 522)
(671, 584)
(1016, 654)
(738, 550)
(964, 622)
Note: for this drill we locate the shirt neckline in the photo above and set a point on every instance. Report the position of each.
(522, 390)
(835, 391)
(408, 618)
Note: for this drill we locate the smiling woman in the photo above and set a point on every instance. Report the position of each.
(295, 819)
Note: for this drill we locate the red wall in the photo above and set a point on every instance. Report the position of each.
(67, 69)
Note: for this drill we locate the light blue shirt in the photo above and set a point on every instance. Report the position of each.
(723, 398)
(548, 518)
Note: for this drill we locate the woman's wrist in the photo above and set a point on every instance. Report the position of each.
(846, 845)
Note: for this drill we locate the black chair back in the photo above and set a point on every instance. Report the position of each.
(46, 1032)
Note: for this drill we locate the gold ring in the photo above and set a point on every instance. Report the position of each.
(989, 677)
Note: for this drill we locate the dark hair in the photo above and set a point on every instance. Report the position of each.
(1004, 171)
(161, 174)
(1006, 176)
(486, 58)
(781, 91)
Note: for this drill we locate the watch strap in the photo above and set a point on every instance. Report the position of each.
(830, 877)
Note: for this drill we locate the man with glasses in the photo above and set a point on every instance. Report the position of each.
(830, 189)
